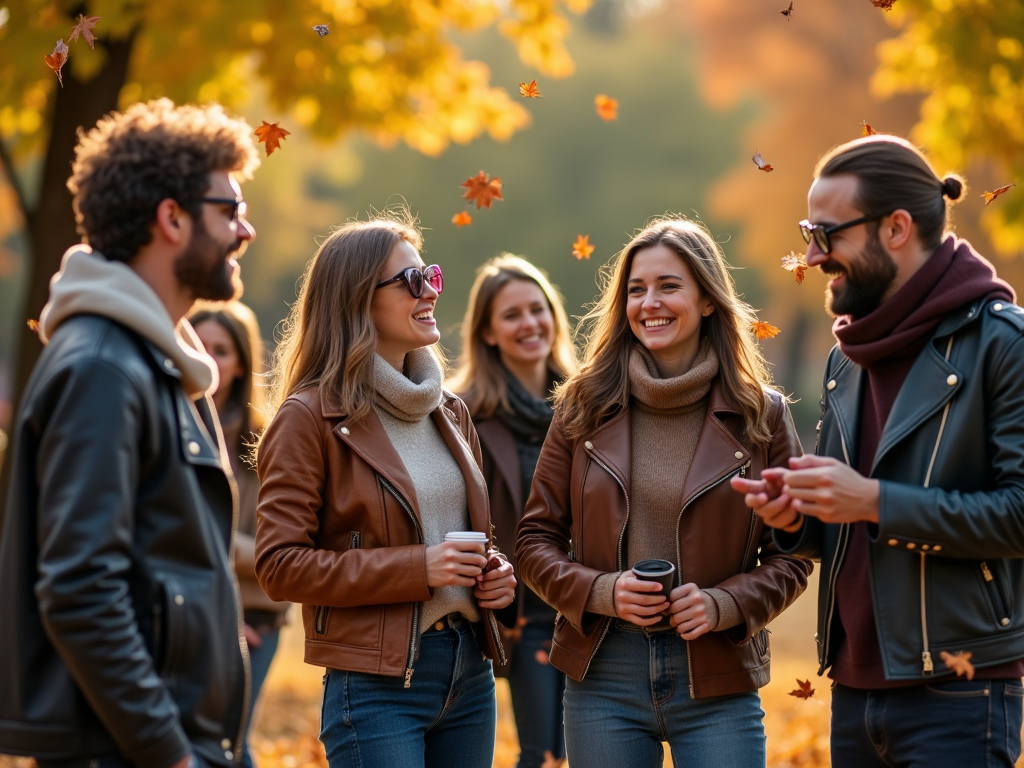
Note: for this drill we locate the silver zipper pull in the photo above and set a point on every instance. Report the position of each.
(926, 663)
(743, 469)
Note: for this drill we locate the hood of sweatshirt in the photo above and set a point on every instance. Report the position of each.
(89, 284)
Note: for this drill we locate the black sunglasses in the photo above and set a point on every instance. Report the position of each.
(414, 278)
(238, 206)
(821, 233)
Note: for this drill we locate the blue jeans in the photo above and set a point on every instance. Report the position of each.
(445, 718)
(956, 724)
(259, 665)
(636, 695)
(537, 690)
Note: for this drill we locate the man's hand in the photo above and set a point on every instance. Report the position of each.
(185, 762)
(768, 501)
(639, 602)
(830, 490)
(693, 611)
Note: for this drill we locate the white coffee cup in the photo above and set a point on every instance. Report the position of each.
(473, 536)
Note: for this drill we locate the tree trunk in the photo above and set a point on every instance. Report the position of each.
(51, 226)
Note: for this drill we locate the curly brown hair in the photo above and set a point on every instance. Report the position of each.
(132, 160)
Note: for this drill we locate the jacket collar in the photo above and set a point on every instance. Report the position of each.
(500, 444)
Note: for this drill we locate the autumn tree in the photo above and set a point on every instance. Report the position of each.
(389, 69)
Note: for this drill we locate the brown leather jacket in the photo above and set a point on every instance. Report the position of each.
(575, 523)
(340, 532)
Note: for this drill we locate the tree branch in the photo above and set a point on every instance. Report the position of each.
(12, 178)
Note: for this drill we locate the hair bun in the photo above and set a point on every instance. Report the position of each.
(952, 187)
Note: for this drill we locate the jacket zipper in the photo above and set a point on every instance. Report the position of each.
(833, 573)
(414, 637)
(322, 612)
(1001, 604)
(927, 665)
(679, 557)
(618, 553)
(753, 524)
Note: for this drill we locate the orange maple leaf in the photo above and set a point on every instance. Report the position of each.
(764, 330)
(990, 196)
(804, 691)
(885, 4)
(959, 662)
(795, 263)
(582, 248)
(482, 190)
(607, 107)
(84, 28)
(866, 129)
(760, 163)
(530, 90)
(33, 325)
(57, 60)
(271, 134)
(788, 12)
(462, 219)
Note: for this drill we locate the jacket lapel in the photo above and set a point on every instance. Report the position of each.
(717, 454)
(500, 444)
(843, 397)
(612, 445)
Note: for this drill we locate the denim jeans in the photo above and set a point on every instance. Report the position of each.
(636, 695)
(445, 718)
(956, 724)
(259, 665)
(537, 690)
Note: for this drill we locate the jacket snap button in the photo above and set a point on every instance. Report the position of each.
(893, 542)
(179, 600)
(997, 307)
(951, 379)
(225, 744)
(588, 445)
(738, 454)
(924, 547)
(439, 625)
(168, 363)
(911, 545)
(193, 448)
(344, 430)
(831, 385)
(228, 754)
(1005, 622)
(936, 548)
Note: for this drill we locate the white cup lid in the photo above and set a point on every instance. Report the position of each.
(466, 536)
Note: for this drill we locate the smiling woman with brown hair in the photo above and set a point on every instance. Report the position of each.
(671, 401)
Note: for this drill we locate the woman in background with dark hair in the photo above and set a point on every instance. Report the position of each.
(231, 336)
(516, 346)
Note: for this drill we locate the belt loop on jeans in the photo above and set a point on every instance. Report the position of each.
(455, 621)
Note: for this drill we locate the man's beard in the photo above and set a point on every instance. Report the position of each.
(868, 278)
(203, 268)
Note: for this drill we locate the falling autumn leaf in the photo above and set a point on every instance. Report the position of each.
(959, 662)
(804, 691)
(541, 657)
(607, 107)
(760, 163)
(885, 4)
(788, 12)
(482, 190)
(795, 263)
(764, 330)
(990, 196)
(322, 29)
(530, 90)
(866, 129)
(57, 60)
(4, 16)
(84, 28)
(33, 325)
(582, 248)
(462, 219)
(271, 134)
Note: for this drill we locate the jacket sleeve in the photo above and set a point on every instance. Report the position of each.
(544, 535)
(975, 525)
(289, 565)
(88, 475)
(778, 579)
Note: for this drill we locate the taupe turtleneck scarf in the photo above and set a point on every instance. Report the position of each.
(404, 404)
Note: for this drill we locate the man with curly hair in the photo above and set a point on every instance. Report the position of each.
(121, 643)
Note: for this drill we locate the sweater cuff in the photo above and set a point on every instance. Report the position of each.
(602, 595)
(729, 614)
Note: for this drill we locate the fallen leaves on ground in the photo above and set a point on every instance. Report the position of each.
(990, 196)
(764, 330)
(866, 129)
(462, 219)
(530, 90)
(482, 190)
(607, 107)
(84, 28)
(57, 60)
(582, 248)
(804, 691)
(959, 662)
(795, 263)
(271, 135)
(787, 12)
(760, 163)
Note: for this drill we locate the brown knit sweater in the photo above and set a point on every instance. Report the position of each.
(667, 415)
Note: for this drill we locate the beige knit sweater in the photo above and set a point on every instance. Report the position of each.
(404, 404)
(667, 415)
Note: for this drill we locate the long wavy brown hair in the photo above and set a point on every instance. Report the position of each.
(329, 340)
(601, 389)
(480, 376)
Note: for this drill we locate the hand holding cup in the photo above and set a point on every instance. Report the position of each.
(458, 561)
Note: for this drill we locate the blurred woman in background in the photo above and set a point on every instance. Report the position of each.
(231, 336)
(516, 347)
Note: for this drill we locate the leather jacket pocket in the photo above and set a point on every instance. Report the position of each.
(322, 613)
(760, 641)
(993, 574)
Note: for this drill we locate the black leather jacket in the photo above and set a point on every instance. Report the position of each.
(947, 556)
(121, 632)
